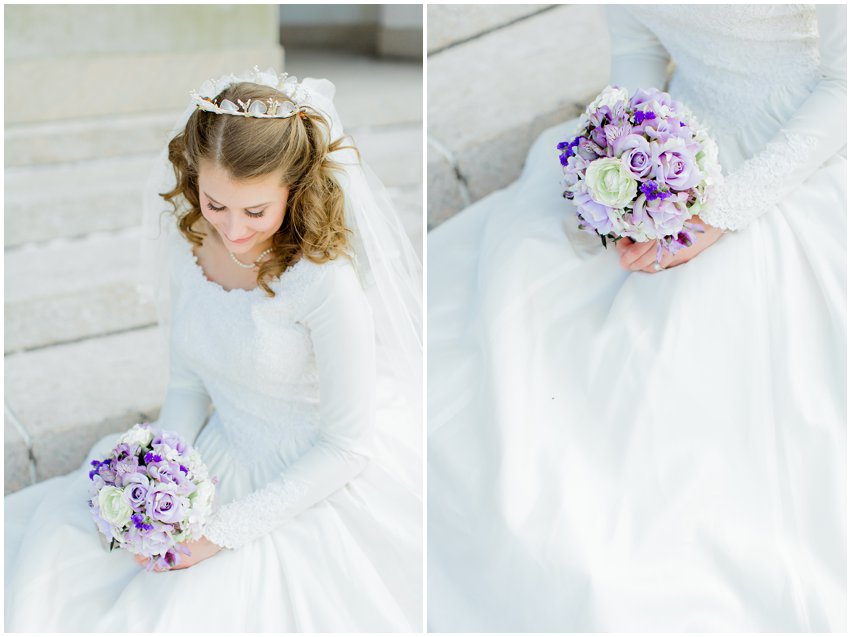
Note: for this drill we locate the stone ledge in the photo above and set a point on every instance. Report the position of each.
(68, 396)
(487, 115)
(71, 200)
(81, 81)
(450, 24)
(17, 472)
(87, 139)
(446, 193)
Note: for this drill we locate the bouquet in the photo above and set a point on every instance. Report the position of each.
(150, 493)
(640, 167)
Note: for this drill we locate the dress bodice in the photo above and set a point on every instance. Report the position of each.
(737, 62)
(252, 353)
(264, 363)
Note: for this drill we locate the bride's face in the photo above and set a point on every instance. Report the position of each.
(245, 213)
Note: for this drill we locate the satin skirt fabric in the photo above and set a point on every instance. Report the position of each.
(353, 562)
(616, 451)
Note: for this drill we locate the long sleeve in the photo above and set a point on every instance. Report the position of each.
(810, 137)
(186, 404)
(341, 330)
(638, 59)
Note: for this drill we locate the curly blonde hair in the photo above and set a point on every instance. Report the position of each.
(296, 147)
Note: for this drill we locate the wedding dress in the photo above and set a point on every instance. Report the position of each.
(320, 517)
(617, 451)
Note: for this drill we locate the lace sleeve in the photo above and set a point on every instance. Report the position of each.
(810, 137)
(341, 330)
(638, 58)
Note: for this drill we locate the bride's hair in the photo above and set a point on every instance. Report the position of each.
(295, 147)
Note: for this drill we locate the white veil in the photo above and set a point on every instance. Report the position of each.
(389, 269)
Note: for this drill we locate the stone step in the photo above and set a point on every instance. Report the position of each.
(452, 24)
(68, 396)
(44, 202)
(71, 289)
(483, 116)
(86, 139)
(73, 199)
(18, 469)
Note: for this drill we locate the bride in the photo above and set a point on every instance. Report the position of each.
(616, 448)
(289, 294)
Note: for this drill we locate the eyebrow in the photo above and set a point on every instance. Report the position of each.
(246, 208)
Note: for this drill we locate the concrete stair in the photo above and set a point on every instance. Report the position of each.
(83, 357)
(496, 79)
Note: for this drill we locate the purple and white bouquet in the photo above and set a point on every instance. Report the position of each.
(150, 493)
(640, 167)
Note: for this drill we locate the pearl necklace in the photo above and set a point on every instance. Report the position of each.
(249, 265)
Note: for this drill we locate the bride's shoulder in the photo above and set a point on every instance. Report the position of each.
(331, 281)
(311, 275)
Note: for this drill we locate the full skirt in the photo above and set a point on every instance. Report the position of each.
(353, 562)
(616, 451)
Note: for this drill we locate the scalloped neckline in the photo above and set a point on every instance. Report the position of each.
(196, 266)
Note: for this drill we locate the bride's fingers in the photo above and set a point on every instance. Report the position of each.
(645, 262)
(635, 252)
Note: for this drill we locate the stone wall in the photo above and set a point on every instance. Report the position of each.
(93, 60)
(498, 75)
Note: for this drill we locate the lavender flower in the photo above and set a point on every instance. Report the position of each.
(639, 166)
(140, 496)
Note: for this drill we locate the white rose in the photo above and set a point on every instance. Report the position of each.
(202, 501)
(114, 507)
(609, 182)
(196, 465)
(609, 96)
(137, 435)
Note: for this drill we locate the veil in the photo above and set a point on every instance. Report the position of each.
(389, 270)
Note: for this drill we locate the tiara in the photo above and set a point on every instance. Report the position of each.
(270, 107)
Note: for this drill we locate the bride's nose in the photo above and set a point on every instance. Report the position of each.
(234, 228)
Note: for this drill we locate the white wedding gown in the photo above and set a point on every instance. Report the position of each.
(616, 451)
(319, 499)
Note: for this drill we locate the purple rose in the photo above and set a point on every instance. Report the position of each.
(170, 473)
(165, 505)
(102, 525)
(149, 541)
(668, 215)
(136, 490)
(575, 166)
(635, 153)
(171, 439)
(593, 214)
(665, 130)
(674, 164)
(651, 100)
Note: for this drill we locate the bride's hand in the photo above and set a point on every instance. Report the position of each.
(201, 550)
(641, 256)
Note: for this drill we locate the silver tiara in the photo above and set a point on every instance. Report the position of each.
(270, 107)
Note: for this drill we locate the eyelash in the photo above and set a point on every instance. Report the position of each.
(250, 214)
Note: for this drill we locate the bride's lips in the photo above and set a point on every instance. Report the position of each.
(241, 241)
